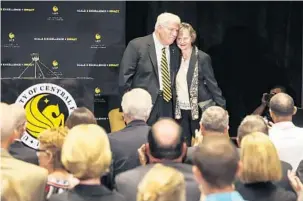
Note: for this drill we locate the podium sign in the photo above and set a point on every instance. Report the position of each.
(47, 102)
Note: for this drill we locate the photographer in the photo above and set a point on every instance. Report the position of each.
(263, 109)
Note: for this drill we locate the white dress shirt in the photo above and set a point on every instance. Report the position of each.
(181, 85)
(288, 140)
(159, 47)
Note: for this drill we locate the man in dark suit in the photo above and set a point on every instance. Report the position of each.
(124, 143)
(150, 62)
(18, 149)
(165, 145)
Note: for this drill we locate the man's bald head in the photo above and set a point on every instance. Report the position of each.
(165, 139)
(282, 105)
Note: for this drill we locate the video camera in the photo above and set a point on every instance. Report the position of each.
(267, 97)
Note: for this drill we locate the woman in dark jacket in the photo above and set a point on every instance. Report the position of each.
(196, 86)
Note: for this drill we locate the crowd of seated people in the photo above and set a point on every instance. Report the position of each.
(80, 161)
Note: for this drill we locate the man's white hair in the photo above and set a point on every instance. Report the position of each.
(19, 115)
(137, 104)
(215, 118)
(166, 18)
(7, 122)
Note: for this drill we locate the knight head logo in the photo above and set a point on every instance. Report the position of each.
(11, 36)
(55, 64)
(98, 37)
(55, 9)
(97, 90)
(47, 106)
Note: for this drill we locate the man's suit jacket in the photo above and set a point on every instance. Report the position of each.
(22, 152)
(299, 171)
(31, 177)
(86, 193)
(208, 87)
(127, 182)
(139, 67)
(125, 143)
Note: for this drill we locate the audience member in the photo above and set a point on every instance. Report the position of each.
(216, 164)
(162, 183)
(80, 115)
(214, 121)
(255, 123)
(165, 145)
(49, 154)
(86, 154)
(18, 149)
(261, 168)
(124, 143)
(32, 178)
(287, 138)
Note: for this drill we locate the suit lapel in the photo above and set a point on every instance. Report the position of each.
(191, 68)
(174, 62)
(152, 54)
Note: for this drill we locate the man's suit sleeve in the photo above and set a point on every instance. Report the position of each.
(210, 80)
(128, 67)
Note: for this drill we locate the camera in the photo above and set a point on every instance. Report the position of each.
(267, 97)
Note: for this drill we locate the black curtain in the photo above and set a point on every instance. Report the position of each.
(253, 45)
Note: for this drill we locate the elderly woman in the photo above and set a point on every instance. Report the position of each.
(196, 86)
(86, 154)
(162, 183)
(49, 156)
(261, 168)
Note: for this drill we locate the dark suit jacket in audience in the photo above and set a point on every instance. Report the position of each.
(88, 192)
(264, 191)
(22, 152)
(125, 143)
(127, 182)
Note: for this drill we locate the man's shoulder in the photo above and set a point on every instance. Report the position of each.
(137, 172)
(141, 40)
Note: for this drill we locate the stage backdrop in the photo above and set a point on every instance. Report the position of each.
(74, 42)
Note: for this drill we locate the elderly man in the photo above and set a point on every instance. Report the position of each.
(124, 143)
(150, 62)
(18, 149)
(287, 138)
(214, 121)
(32, 178)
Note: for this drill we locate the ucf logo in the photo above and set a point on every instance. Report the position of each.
(47, 106)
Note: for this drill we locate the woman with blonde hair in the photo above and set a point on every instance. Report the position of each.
(87, 155)
(162, 183)
(49, 156)
(261, 167)
(196, 86)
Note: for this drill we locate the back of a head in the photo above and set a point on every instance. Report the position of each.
(162, 183)
(166, 18)
(165, 139)
(282, 105)
(7, 122)
(250, 124)
(80, 115)
(52, 140)
(86, 151)
(215, 119)
(137, 104)
(260, 160)
(19, 115)
(218, 160)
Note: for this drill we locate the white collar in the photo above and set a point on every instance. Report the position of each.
(283, 125)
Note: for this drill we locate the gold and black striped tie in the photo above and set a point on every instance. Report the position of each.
(167, 95)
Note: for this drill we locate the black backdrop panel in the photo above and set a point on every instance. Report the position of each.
(73, 41)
